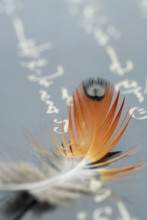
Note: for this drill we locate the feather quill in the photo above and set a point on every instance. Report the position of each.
(68, 169)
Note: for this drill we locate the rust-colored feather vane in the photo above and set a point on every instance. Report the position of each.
(95, 127)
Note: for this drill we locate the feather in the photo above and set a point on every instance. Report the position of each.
(67, 170)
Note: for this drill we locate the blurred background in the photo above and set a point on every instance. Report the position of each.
(47, 48)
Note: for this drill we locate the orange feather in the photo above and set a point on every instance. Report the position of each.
(95, 127)
(94, 124)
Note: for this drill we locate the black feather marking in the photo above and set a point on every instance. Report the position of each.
(110, 155)
(95, 88)
(17, 206)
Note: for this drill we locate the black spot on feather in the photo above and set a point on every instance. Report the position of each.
(95, 89)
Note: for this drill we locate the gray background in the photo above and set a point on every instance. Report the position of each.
(81, 57)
